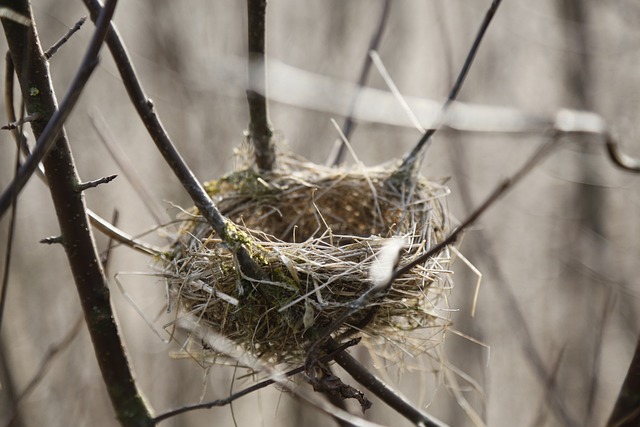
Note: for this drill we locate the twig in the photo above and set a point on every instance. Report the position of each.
(17, 123)
(227, 400)
(53, 49)
(98, 222)
(150, 119)
(33, 73)
(348, 126)
(53, 127)
(260, 132)
(410, 160)
(92, 184)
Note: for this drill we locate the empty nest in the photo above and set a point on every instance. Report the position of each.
(315, 232)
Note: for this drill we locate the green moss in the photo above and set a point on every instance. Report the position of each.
(246, 181)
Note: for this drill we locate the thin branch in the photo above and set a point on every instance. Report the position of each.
(33, 73)
(92, 184)
(506, 185)
(54, 49)
(227, 400)
(48, 138)
(410, 160)
(17, 123)
(150, 119)
(384, 392)
(260, 133)
(9, 249)
(348, 126)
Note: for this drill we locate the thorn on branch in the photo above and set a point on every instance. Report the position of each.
(53, 49)
(53, 240)
(26, 119)
(91, 184)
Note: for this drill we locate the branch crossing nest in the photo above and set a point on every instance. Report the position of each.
(315, 232)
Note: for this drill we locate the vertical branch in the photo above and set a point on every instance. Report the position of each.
(33, 73)
(260, 132)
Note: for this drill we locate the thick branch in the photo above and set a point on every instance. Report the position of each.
(33, 74)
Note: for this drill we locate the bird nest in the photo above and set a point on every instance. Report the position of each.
(315, 233)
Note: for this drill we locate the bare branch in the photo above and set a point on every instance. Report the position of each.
(17, 123)
(33, 74)
(384, 392)
(53, 49)
(260, 132)
(410, 160)
(92, 184)
(53, 127)
(150, 119)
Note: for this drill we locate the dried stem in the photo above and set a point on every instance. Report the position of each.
(33, 74)
(260, 132)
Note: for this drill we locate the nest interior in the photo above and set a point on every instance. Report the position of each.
(315, 232)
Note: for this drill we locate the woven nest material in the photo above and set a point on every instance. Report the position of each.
(315, 232)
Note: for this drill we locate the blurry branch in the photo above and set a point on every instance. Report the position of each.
(335, 159)
(227, 400)
(52, 353)
(33, 73)
(626, 412)
(9, 249)
(619, 158)
(127, 167)
(260, 132)
(146, 111)
(411, 159)
(53, 49)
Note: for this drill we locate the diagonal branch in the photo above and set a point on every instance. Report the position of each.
(146, 111)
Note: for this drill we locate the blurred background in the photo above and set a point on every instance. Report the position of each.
(558, 255)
